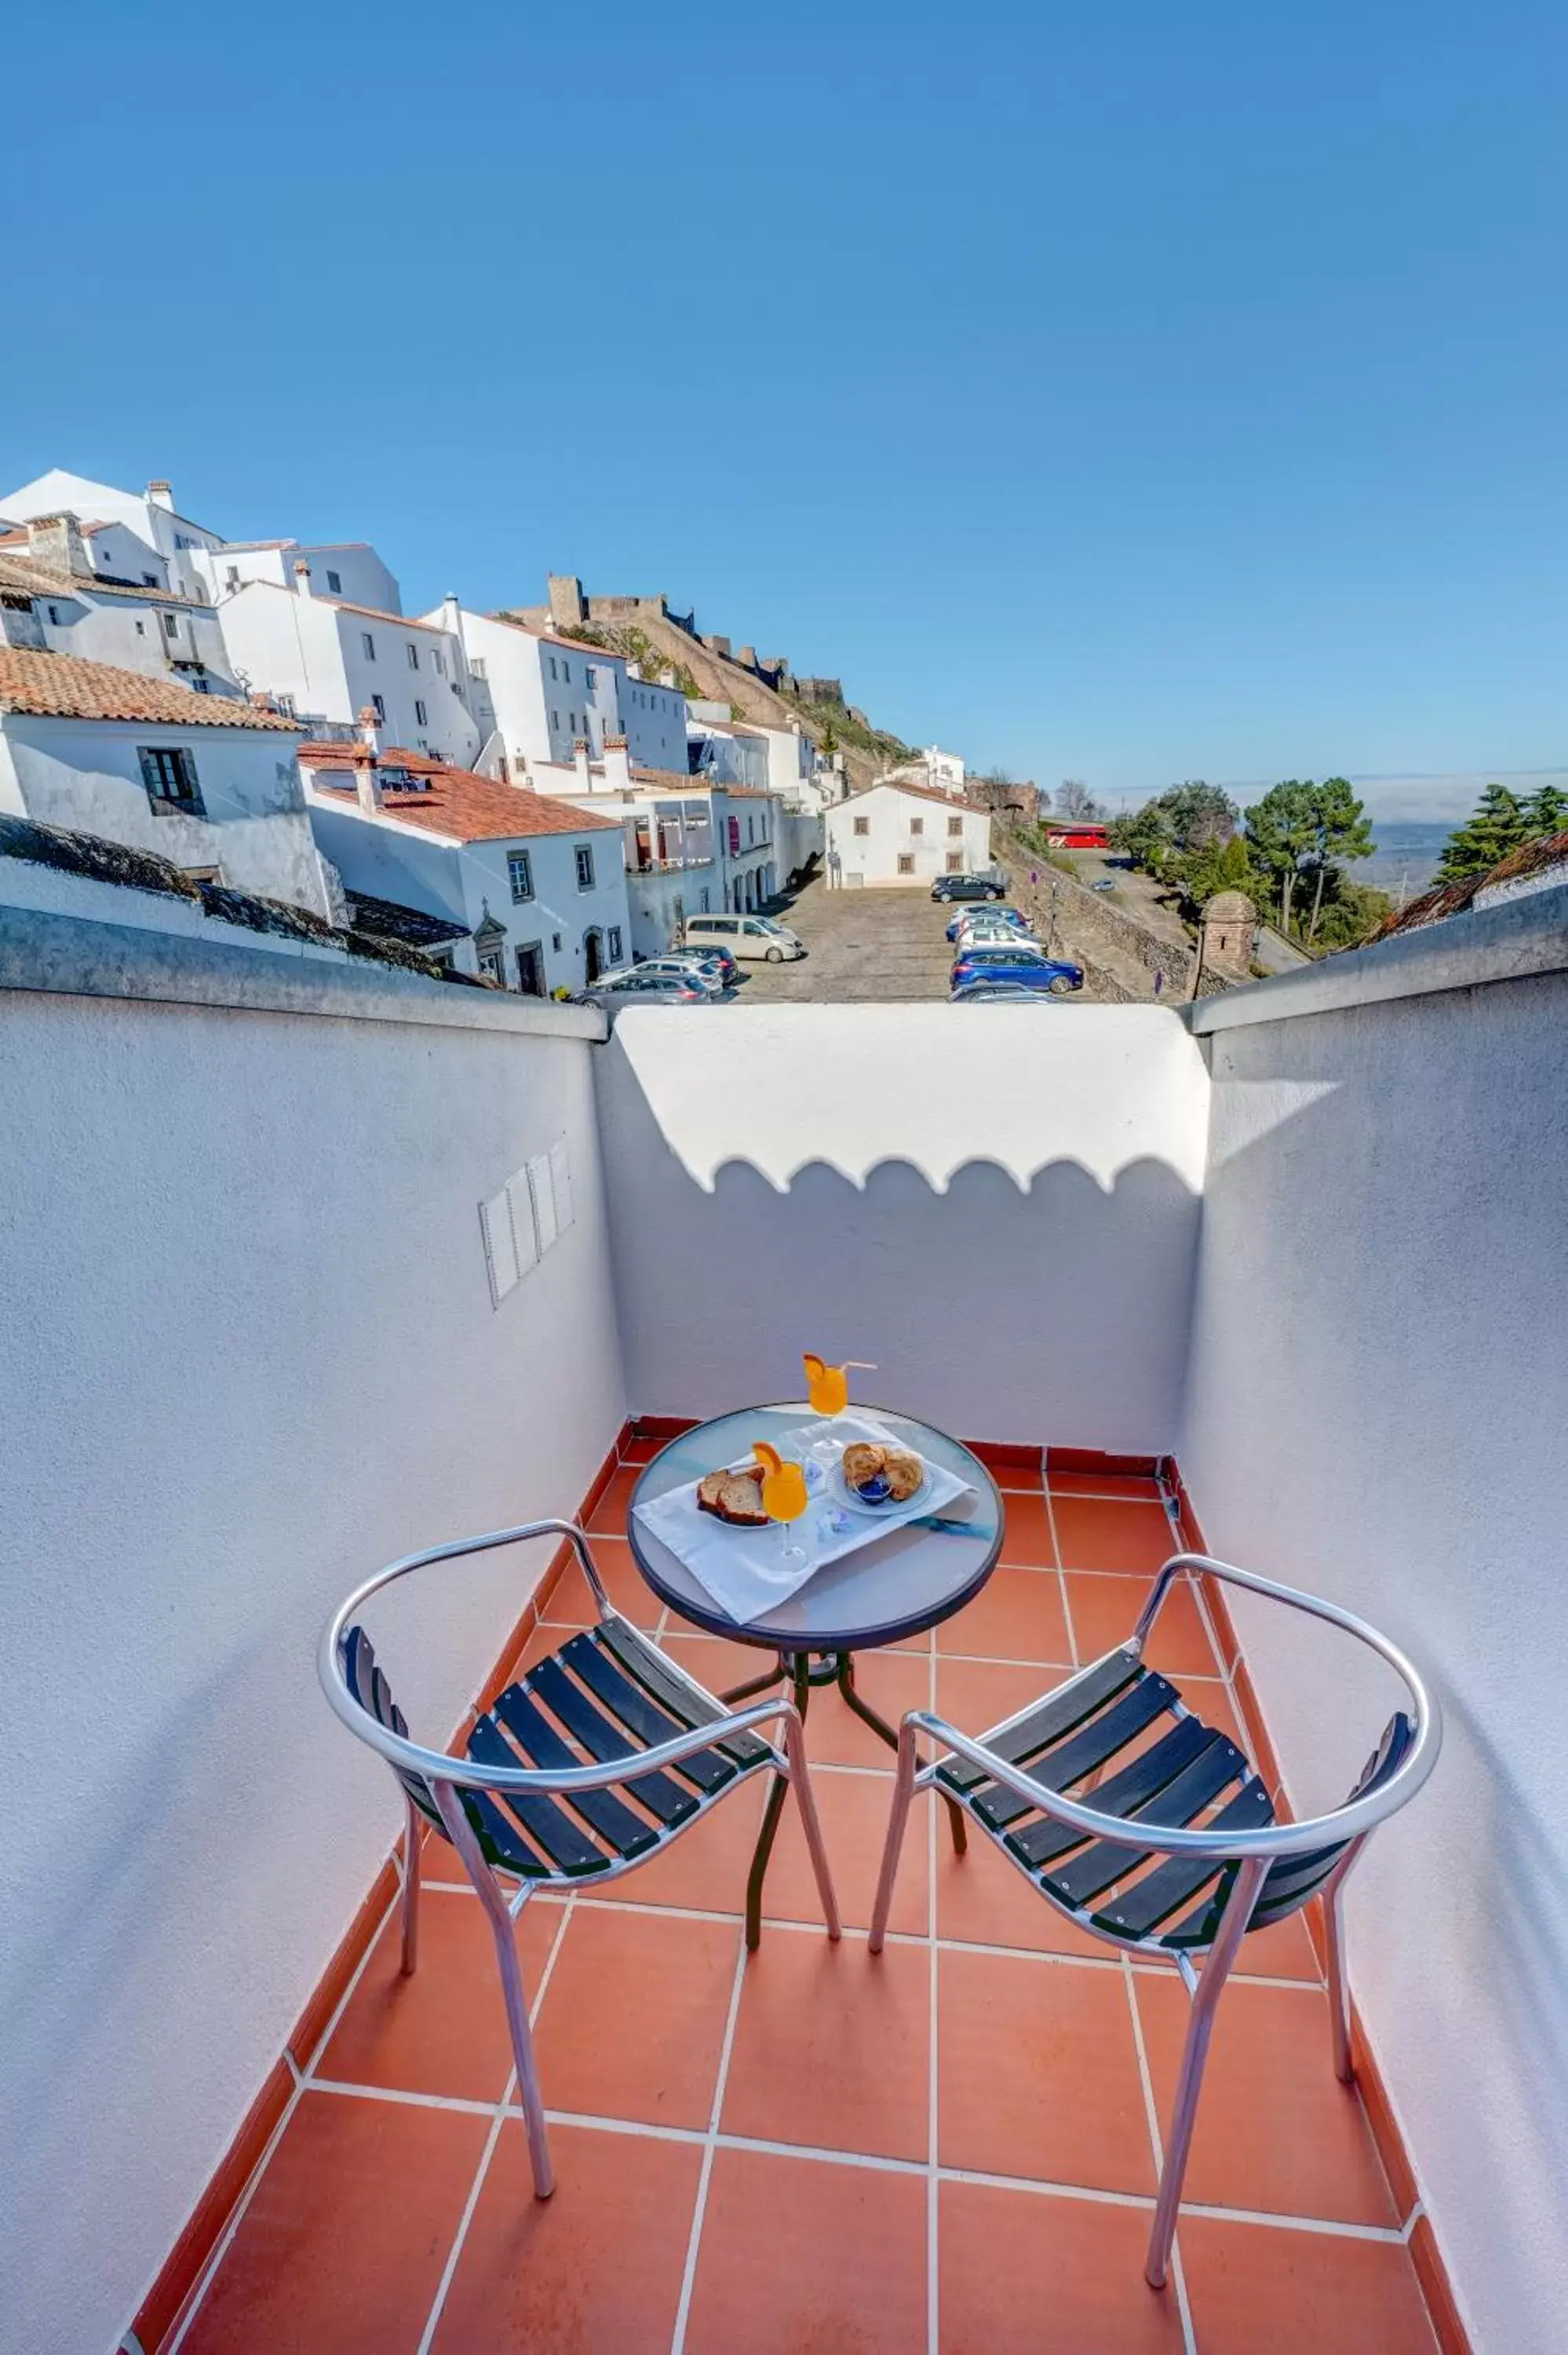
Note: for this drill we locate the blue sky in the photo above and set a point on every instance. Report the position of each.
(1113, 390)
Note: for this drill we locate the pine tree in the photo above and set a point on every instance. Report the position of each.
(1546, 811)
(1500, 824)
(1340, 830)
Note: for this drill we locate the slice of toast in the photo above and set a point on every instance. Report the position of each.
(733, 1496)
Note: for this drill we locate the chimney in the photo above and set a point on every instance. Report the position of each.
(372, 730)
(161, 495)
(301, 578)
(581, 748)
(451, 616)
(617, 765)
(56, 540)
(746, 657)
(366, 783)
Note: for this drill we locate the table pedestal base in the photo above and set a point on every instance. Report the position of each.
(834, 1669)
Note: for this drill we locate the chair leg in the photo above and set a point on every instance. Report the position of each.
(503, 1930)
(413, 1828)
(1190, 2084)
(903, 1791)
(1339, 1976)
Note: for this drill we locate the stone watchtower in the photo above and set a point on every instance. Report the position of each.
(1229, 920)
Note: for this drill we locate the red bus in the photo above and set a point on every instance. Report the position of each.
(1069, 835)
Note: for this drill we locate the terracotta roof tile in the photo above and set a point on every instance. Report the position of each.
(921, 792)
(458, 803)
(19, 571)
(61, 687)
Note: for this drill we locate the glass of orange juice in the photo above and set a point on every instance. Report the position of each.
(784, 1496)
(827, 1386)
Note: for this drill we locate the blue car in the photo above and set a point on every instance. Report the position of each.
(987, 915)
(1022, 964)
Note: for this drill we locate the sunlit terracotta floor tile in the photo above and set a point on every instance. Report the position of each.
(1038, 2073)
(889, 1682)
(633, 2019)
(798, 2257)
(610, 1513)
(1276, 2128)
(1104, 1536)
(596, 2270)
(1105, 1611)
(1016, 1616)
(976, 1694)
(830, 2047)
(1262, 2285)
(704, 1869)
(1283, 1950)
(572, 1605)
(1026, 1530)
(444, 2030)
(854, 1809)
(344, 2243)
(1021, 2275)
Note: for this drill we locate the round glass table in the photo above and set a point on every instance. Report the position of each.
(904, 1580)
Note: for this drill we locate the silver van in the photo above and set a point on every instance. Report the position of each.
(743, 936)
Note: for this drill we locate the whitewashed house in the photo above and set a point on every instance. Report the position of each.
(210, 784)
(58, 595)
(149, 516)
(537, 886)
(349, 568)
(534, 696)
(902, 834)
(747, 827)
(327, 659)
(943, 771)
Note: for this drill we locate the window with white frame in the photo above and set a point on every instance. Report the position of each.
(566, 671)
(420, 714)
(612, 943)
(906, 862)
(367, 646)
(379, 707)
(554, 719)
(171, 625)
(955, 825)
(334, 584)
(916, 825)
(863, 825)
(585, 866)
(553, 673)
(520, 874)
(590, 678)
(955, 862)
(413, 652)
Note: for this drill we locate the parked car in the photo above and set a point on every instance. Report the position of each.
(635, 986)
(1023, 990)
(1106, 883)
(970, 886)
(744, 936)
(704, 968)
(989, 915)
(988, 928)
(1032, 966)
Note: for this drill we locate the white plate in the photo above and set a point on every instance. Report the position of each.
(844, 1494)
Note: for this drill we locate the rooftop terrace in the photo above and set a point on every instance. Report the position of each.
(1289, 1267)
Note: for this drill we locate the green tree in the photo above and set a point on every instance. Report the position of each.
(1546, 811)
(1281, 829)
(1351, 910)
(1499, 823)
(1340, 830)
(1200, 815)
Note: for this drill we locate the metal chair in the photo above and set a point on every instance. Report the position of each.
(608, 1724)
(1180, 1855)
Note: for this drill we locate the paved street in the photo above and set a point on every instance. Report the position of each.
(864, 944)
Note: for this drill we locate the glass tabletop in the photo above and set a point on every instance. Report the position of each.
(903, 1581)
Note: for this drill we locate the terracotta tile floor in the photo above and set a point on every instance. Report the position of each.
(949, 2148)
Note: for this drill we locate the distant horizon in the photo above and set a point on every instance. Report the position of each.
(1439, 797)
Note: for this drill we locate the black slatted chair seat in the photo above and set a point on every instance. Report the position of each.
(606, 1694)
(1120, 1738)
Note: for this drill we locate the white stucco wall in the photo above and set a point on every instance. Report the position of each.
(361, 575)
(86, 775)
(1377, 1398)
(313, 649)
(104, 626)
(890, 816)
(250, 1353)
(1000, 1207)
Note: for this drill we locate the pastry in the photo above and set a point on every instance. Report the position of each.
(733, 1496)
(863, 1462)
(902, 1472)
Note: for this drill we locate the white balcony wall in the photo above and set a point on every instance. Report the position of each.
(1378, 1394)
(997, 1204)
(250, 1354)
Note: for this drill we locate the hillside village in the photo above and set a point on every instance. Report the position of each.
(524, 800)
